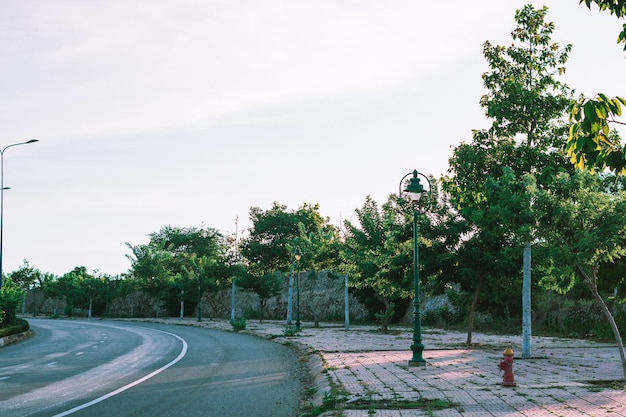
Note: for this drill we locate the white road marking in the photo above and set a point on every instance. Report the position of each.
(181, 355)
(79, 353)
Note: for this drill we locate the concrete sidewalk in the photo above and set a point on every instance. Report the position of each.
(565, 377)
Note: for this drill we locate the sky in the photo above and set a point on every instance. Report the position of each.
(190, 112)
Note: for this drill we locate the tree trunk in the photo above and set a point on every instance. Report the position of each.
(182, 304)
(592, 283)
(290, 299)
(262, 303)
(385, 316)
(526, 305)
(346, 306)
(470, 317)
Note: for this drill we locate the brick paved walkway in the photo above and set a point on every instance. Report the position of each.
(564, 377)
(561, 379)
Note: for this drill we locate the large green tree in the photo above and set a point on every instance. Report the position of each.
(526, 105)
(180, 260)
(318, 251)
(271, 244)
(27, 278)
(584, 227)
(80, 289)
(380, 249)
(265, 286)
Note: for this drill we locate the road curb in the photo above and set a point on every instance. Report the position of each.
(320, 380)
(14, 338)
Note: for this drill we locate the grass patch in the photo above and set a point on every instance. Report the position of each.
(428, 405)
(616, 384)
(290, 331)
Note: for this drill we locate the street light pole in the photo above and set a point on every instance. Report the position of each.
(298, 256)
(199, 298)
(2, 188)
(415, 190)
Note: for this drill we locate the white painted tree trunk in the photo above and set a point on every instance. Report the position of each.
(526, 310)
(182, 304)
(232, 300)
(346, 302)
(290, 300)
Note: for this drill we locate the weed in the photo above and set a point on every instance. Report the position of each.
(290, 331)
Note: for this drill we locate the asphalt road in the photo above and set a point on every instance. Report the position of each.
(107, 368)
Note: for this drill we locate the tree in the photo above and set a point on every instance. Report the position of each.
(592, 143)
(270, 245)
(26, 277)
(265, 287)
(10, 297)
(585, 228)
(150, 268)
(526, 104)
(177, 259)
(319, 251)
(267, 247)
(80, 290)
(380, 248)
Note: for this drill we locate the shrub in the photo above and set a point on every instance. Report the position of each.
(238, 323)
(10, 299)
(440, 316)
(290, 331)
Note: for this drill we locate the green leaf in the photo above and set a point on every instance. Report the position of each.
(614, 107)
(589, 110)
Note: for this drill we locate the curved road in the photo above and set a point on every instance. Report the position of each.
(86, 368)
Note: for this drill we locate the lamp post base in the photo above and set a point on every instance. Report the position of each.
(417, 348)
(418, 363)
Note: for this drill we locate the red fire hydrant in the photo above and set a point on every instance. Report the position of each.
(506, 365)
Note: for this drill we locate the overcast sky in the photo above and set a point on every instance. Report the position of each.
(189, 112)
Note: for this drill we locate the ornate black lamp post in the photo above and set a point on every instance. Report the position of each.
(414, 190)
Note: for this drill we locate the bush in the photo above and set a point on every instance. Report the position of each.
(238, 323)
(290, 331)
(10, 299)
(460, 301)
(438, 317)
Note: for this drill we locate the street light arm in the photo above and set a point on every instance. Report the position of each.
(2, 188)
(400, 185)
(16, 144)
